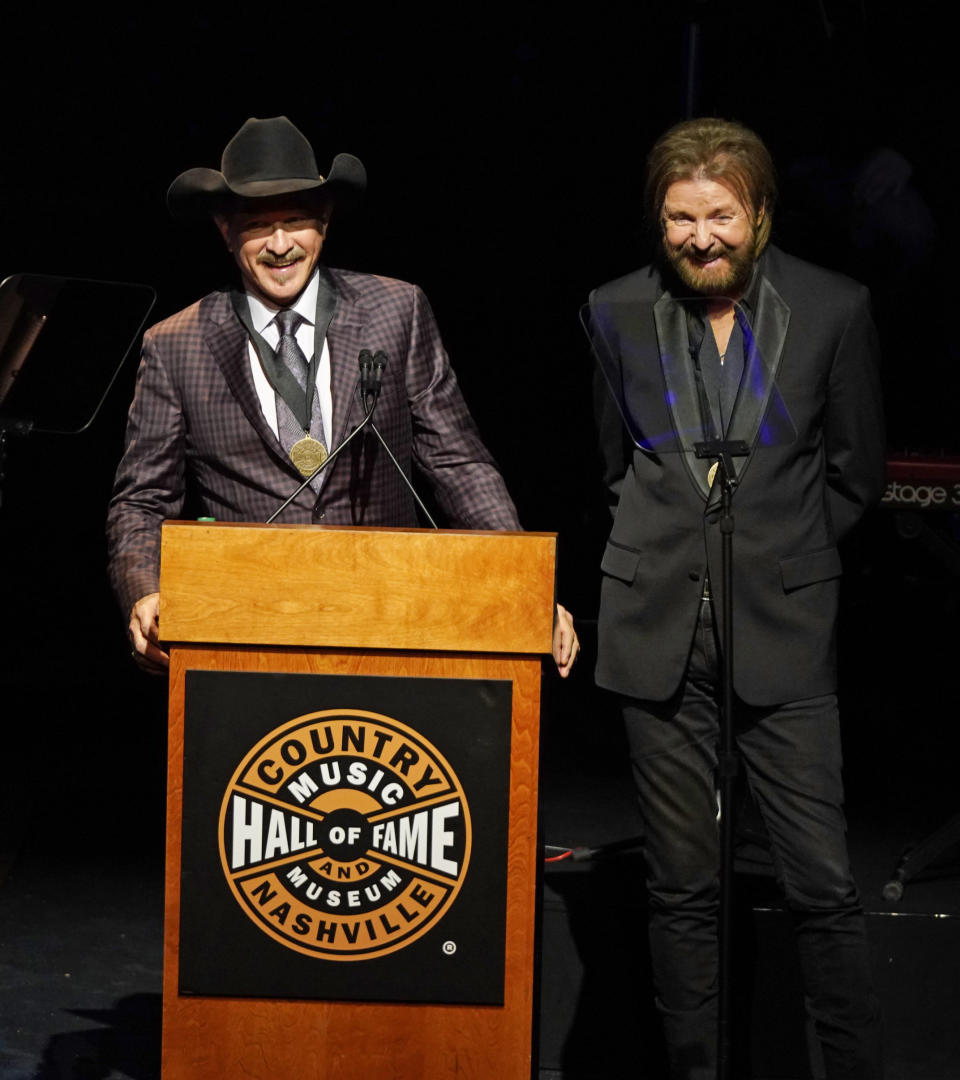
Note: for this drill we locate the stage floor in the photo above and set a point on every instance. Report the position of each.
(81, 924)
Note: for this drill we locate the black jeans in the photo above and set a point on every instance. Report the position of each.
(792, 759)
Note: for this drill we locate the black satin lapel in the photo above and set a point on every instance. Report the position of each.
(345, 339)
(758, 405)
(227, 341)
(681, 385)
(327, 299)
(758, 398)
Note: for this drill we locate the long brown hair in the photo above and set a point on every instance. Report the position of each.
(720, 150)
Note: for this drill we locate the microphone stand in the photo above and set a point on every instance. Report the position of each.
(371, 380)
(403, 476)
(371, 377)
(724, 451)
(332, 456)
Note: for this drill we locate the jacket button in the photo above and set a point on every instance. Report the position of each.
(713, 518)
(319, 515)
(694, 575)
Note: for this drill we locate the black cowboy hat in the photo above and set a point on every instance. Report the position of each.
(264, 158)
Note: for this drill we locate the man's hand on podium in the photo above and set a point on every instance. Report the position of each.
(566, 644)
(144, 631)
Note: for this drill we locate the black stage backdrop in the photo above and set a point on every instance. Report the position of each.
(505, 151)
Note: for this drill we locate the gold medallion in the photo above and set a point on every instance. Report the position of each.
(308, 455)
(712, 472)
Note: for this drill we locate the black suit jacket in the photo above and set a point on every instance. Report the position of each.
(809, 407)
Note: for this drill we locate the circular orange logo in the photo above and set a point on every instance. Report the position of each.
(344, 835)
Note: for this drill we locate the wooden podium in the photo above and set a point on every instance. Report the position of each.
(406, 604)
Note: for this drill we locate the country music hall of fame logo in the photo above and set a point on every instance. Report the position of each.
(344, 835)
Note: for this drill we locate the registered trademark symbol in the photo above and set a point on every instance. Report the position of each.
(449, 948)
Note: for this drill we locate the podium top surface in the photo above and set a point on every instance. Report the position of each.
(357, 588)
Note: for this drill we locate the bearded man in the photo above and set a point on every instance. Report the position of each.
(728, 338)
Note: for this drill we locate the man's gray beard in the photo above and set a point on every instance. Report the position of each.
(730, 283)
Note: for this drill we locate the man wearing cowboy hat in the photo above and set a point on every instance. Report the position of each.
(241, 395)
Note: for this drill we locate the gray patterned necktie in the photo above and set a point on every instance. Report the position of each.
(288, 322)
(289, 352)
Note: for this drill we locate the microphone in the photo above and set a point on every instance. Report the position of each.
(365, 360)
(371, 376)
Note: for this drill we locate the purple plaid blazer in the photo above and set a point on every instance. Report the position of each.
(196, 426)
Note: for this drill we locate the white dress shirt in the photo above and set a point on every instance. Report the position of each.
(262, 316)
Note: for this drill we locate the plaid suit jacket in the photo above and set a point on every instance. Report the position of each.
(196, 428)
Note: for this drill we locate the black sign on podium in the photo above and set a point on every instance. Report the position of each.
(344, 837)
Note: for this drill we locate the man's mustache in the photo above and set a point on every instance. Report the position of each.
(719, 248)
(288, 257)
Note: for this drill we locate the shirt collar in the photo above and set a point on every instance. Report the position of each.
(262, 314)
